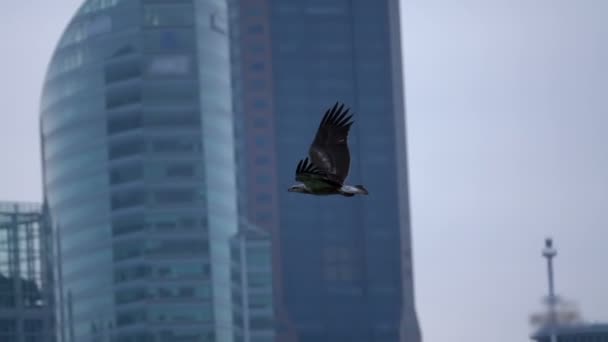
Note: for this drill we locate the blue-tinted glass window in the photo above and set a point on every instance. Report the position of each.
(123, 95)
(157, 15)
(262, 160)
(172, 118)
(257, 83)
(263, 197)
(261, 141)
(263, 179)
(126, 173)
(127, 225)
(125, 69)
(178, 93)
(170, 66)
(169, 40)
(260, 103)
(126, 148)
(257, 66)
(260, 122)
(132, 273)
(174, 196)
(255, 28)
(257, 48)
(176, 145)
(124, 122)
(127, 199)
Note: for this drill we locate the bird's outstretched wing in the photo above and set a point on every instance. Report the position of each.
(329, 150)
(309, 174)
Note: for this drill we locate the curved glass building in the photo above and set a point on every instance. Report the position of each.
(139, 171)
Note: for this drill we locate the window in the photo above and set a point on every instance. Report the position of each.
(92, 6)
(181, 171)
(131, 295)
(124, 122)
(260, 103)
(262, 160)
(179, 93)
(126, 174)
(174, 196)
(172, 118)
(185, 269)
(116, 71)
(176, 145)
(169, 40)
(122, 96)
(262, 179)
(128, 199)
(176, 247)
(173, 65)
(258, 323)
(325, 9)
(83, 30)
(263, 197)
(182, 292)
(257, 83)
(263, 281)
(256, 28)
(257, 48)
(156, 15)
(253, 10)
(68, 62)
(128, 225)
(260, 301)
(263, 217)
(128, 250)
(162, 222)
(126, 148)
(131, 273)
(261, 141)
(131, 317)
(257, 66)
(260, 122)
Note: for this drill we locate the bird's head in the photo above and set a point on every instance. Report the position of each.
(298, 188)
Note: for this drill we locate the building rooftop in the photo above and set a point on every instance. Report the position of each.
(573, 329)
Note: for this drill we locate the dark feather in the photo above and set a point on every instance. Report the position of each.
(308, 173)
(329, 151)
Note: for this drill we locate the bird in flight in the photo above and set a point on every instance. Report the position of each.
(324, 170)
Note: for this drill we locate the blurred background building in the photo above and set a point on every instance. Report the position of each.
(139, 174)
(575, 333)
(26, 295)
(253, 305)
(561, 320)
(343, 267)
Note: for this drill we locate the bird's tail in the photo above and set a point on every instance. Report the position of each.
(362, 189)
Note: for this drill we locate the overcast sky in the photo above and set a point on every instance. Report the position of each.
(507, 118)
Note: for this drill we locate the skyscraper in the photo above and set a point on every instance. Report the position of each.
(343, 266)
(26, 294)
(252, 285)
(139, 171)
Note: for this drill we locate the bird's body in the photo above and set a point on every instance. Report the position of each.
(328, 164)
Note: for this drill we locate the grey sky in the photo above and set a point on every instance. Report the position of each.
(506, 119)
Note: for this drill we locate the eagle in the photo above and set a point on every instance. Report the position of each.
(324, 170)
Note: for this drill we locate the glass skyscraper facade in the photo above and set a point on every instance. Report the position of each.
(343, 266)
(253, 307)
(26, 294)
(139, 172)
